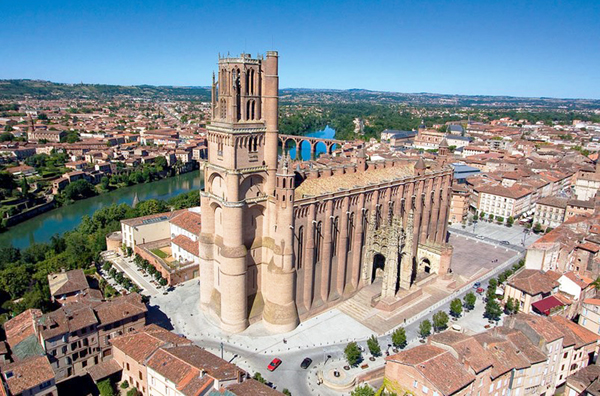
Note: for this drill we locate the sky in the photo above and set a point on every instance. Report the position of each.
(475, 47)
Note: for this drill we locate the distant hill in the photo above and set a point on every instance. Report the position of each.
(17, 89)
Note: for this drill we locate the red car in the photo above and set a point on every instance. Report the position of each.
(480, 290)
(274, 364)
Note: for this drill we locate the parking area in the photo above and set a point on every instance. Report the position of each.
(516, 235)
(472, 256)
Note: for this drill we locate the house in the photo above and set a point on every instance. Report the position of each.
(29, 377)
(529, 286)
(66, 286)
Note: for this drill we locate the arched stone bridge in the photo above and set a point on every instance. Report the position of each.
(298, 140)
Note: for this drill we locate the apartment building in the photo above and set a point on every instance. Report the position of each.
(528, 355)
(29, 377)
(550, 212)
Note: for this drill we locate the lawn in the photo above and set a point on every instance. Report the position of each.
(159, 253)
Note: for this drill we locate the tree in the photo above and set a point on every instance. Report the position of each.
(440, 320)
(124, 384)
(363, 390)
(596, 284)
(373, 345)
(399, 337)
(105, 182)
(15, 280)
(500, 219)
(79, 189)
(491, 217)
(470, 300)
(493, 311)
(481, 215)
(106, 388)
(509, 307)
(353, 353)
(163, 282)
(425, 328)
(132, 392)
(456, 307)
(286, 392)
(510, 221)
(537, 228)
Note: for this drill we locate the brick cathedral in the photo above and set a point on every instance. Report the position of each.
(282, 241)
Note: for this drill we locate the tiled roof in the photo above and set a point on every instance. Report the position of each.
(252, 387)
(21, 327)
(67, 282)
(187, 244)
(466, 346)
(532, 282)
(104, 369)
(582, 335)
(330, 184)
(437, 365)
(27, 374)
(120, 308)
(140, 345)
(213, 365)
(189, 221)
(188, 378)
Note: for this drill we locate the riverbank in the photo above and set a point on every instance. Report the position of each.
(65, 218)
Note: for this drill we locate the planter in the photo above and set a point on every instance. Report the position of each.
(364, 366)
(346, 368)
(372, 358)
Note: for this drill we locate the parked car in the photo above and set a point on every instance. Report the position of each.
(306, 363)
(476, 285)
(274, 364)
(480, 237)
(480, 290)
(504, 242)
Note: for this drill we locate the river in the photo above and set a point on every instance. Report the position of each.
(40, 228)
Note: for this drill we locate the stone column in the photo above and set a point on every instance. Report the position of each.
(342, 260)
(357, 245)
(434, 221)
(326, 257)
(425, 216)
(313, 151)
(309, 264)
(206, 244)
(444, 208)
(417, 212)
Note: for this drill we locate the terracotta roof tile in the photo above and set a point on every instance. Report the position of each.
(532, 282)
(28, 374)
(188, 220)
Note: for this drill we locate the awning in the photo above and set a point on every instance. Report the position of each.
(546, 305)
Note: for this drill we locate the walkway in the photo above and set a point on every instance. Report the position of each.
(128, 267)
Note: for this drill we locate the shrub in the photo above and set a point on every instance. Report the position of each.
(124, 384)
(105, 388)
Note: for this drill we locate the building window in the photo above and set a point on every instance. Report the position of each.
(415, 383)
(300, 248)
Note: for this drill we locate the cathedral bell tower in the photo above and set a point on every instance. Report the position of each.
(238, 203)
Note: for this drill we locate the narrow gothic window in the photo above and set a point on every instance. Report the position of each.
(350, 231)
(334, 237)
(318, 240)
(300, 248)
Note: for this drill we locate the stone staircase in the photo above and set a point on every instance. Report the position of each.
(359, 308)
